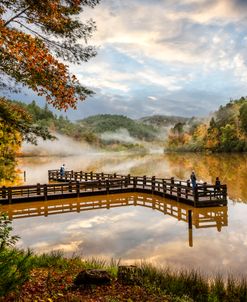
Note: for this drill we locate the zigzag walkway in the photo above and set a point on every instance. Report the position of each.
(78, 184)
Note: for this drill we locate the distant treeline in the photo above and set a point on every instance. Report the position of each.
(90, 129)
(226, 131)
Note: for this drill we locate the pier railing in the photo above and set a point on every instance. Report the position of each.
(76, 184)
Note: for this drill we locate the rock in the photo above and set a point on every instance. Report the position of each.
(92, 277)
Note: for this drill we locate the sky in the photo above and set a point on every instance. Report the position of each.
(171, 57)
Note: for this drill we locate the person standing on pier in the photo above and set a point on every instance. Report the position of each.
(62, 170)
(217, 187)
(193, 180)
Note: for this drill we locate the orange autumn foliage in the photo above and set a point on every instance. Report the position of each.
(32, 41)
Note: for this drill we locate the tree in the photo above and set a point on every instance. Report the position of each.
(13, 117)
(34, 34)
(243, 117)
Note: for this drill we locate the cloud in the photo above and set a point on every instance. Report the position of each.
(184, 53)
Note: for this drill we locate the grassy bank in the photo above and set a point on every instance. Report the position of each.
(50, 278)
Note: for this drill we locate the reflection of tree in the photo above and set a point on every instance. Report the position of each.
(231, 168)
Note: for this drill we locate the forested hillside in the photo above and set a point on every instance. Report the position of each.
(112, 123)
(111, 132)
(163, 120)
(225, 131)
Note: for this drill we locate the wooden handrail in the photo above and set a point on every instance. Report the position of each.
(78, 183)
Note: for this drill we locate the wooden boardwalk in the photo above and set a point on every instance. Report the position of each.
(79, 184)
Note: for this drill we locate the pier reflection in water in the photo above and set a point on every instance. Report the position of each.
(211, 217)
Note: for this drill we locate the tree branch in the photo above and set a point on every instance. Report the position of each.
(16, 16)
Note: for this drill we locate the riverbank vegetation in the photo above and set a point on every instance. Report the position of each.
(225, 131)
(25, 276)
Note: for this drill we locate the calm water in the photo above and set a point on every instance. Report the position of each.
(134, 227)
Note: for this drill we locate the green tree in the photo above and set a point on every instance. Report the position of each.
(243, 117)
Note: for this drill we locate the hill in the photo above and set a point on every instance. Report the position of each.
(163, 120)
(102, 123)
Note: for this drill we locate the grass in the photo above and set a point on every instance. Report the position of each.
(52, 278)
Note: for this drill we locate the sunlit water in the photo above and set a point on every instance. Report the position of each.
(133, 232)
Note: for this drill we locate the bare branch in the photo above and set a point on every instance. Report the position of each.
(16, 16)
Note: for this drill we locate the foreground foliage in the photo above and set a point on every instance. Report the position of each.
(15, 265)
(52, 276)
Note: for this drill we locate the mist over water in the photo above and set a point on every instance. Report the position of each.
(62, 146)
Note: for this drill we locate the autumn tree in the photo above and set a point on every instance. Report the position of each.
(17, 125)
(34, 35)
(243, 117)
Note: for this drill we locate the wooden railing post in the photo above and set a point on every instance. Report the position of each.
(107, 186)
(9, 194)
(85, 176)
(81, 175)
(3, 192)
(178, 192)
(45, 191)
(115, 175)
(153, 183)
(126, 181)
(77, 188)
(134, 182)
(70, 186)
(195, 195)
(144, 181)
(187, 189)
(172, 185)
(71, 174)
(99, 184)
(224, 192)
(164, 187)
(38, 189)
(91, 175)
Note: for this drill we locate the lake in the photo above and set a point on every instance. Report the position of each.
(137, 227)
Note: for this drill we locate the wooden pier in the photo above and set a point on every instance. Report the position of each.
(78, 184)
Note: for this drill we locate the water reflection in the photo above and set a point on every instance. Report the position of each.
(215, 217)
